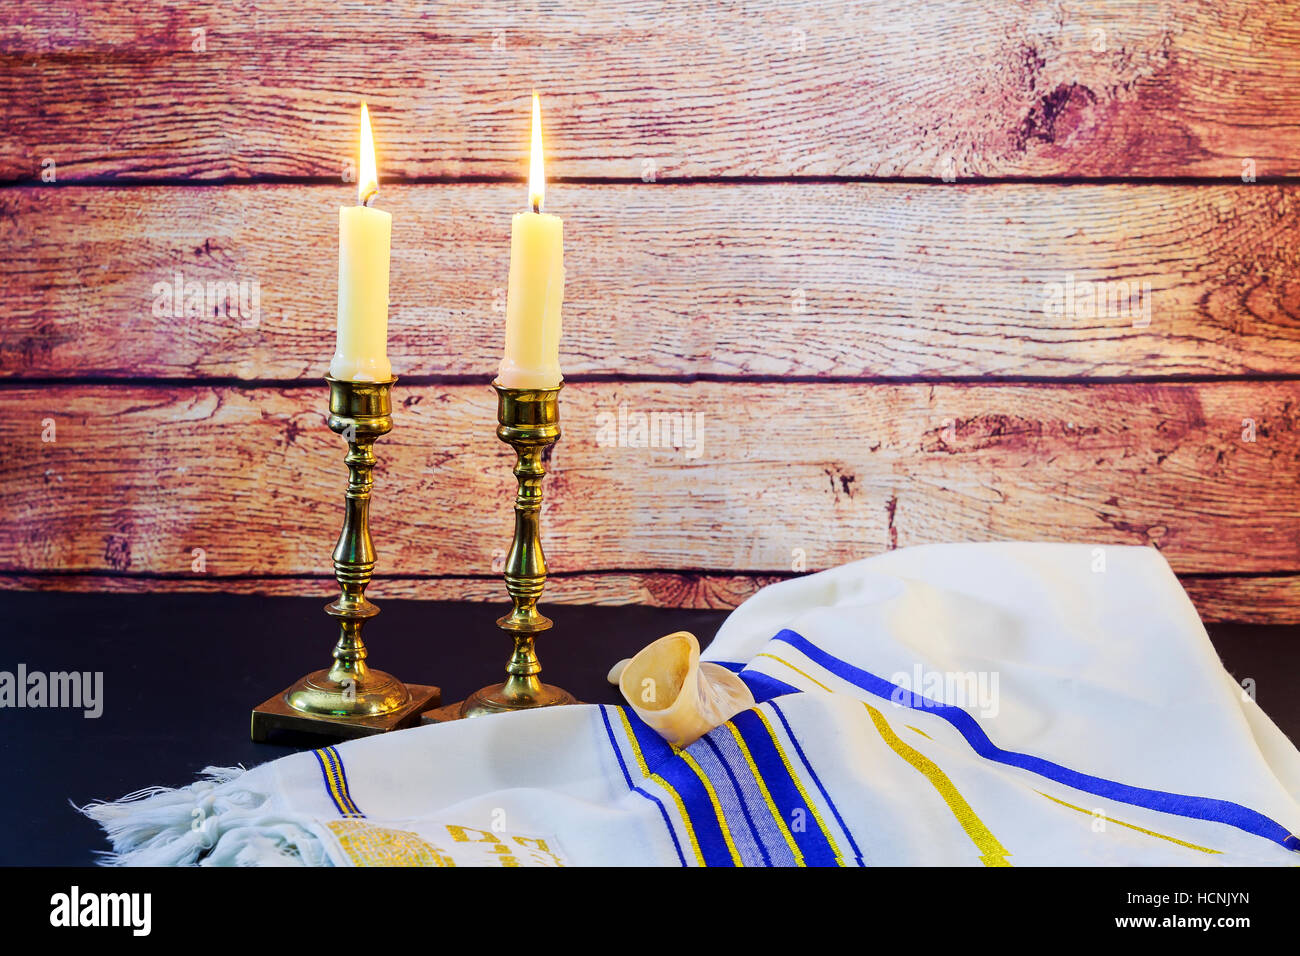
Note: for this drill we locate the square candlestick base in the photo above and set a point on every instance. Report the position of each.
(440, 715)
(276, 715)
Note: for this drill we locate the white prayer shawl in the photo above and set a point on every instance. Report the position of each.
(976, 704)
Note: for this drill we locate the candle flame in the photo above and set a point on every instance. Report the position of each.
(536, 169)
(368, 181)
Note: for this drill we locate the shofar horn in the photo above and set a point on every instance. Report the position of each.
(675, 693)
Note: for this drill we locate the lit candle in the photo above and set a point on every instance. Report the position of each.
(361, 354)
(536, 287)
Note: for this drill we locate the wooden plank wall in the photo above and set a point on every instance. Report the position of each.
(835, 240)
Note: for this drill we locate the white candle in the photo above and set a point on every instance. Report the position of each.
(365, 235)
(536, 288)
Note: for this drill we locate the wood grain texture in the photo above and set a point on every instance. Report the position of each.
(761, 307)
(140, 476)
(1114, 88)
(1262, 600)
(818, 280)
(649, 588)
(1273, 599)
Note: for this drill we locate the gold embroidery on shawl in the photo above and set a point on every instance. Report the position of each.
(502, 850)
(1131, 826)
(992, 853)
(369, 845)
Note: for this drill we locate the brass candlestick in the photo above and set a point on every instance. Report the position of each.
(349, 699)
(529, 423)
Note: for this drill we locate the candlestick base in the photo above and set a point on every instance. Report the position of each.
(488, 701)
(275, 715)
(329, 694)
(514, 695)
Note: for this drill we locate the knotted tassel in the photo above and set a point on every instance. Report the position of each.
(216, 821)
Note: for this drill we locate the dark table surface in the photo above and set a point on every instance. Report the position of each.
(182, 673)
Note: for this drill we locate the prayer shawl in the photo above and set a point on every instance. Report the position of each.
(974, 704)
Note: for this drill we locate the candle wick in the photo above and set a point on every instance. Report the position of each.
(537, 207)
(366, 199)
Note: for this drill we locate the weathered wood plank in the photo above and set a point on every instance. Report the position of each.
(818, 280)
(1112, 88)
(1262, 600)
(650, 589)
(1248, 600)
(764, 479)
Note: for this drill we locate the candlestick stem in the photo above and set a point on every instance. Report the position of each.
(349, 698)
(361, 412)
(529, 421)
